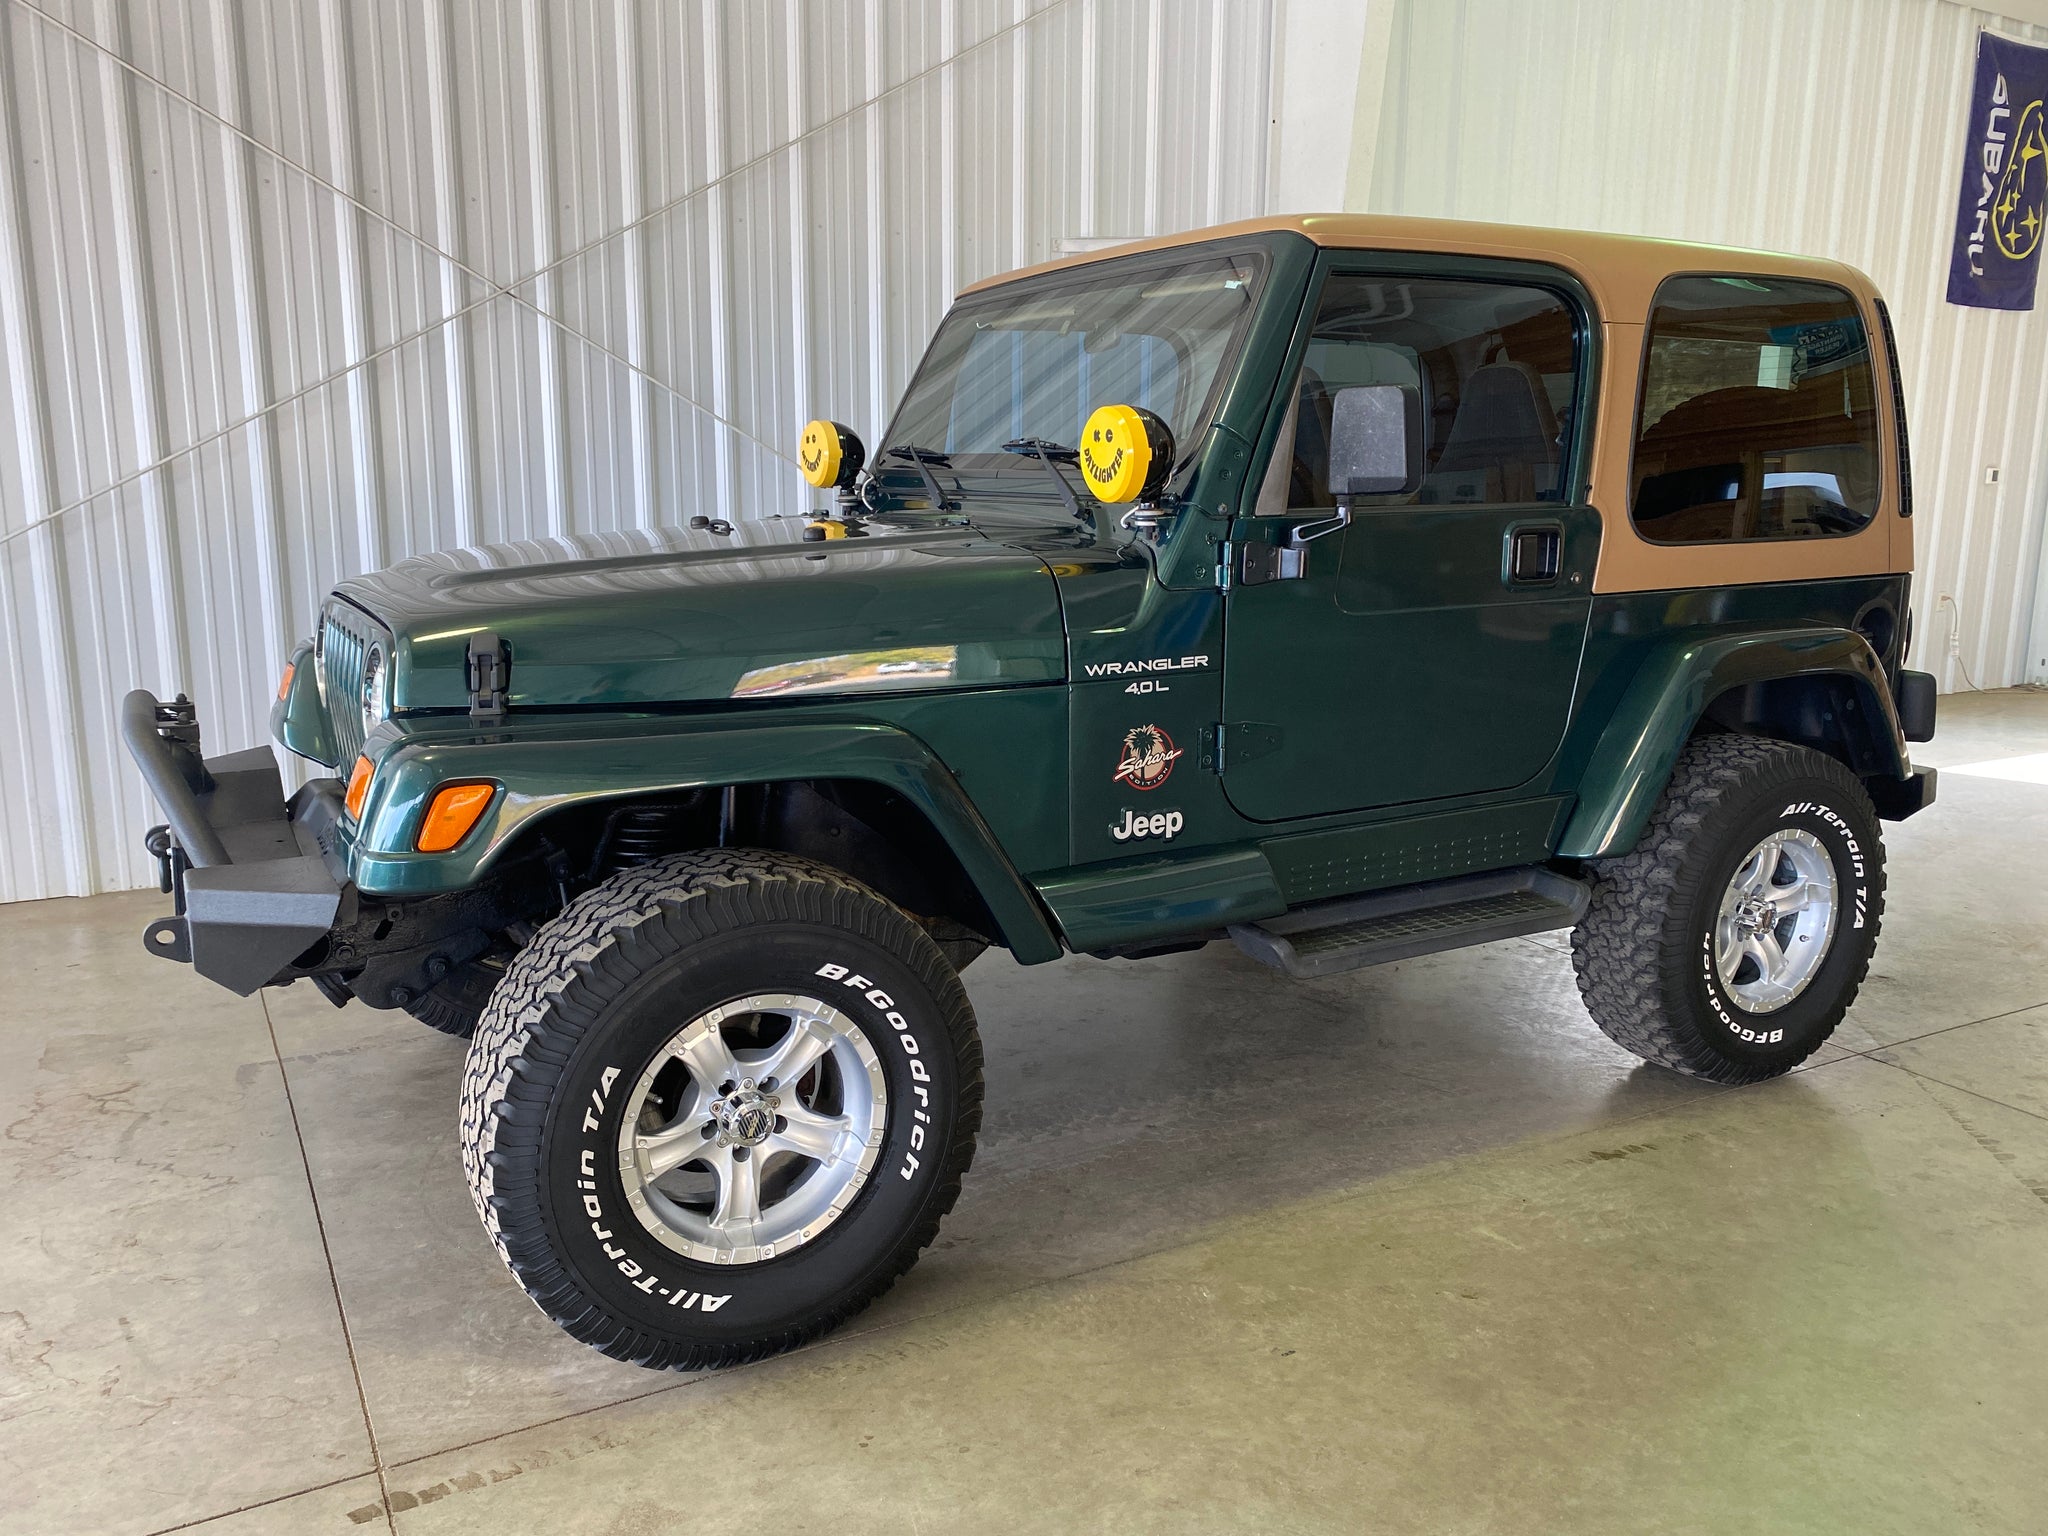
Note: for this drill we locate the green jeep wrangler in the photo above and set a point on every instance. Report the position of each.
(1346, 588)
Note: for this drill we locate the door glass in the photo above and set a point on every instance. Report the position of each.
(1494, 366)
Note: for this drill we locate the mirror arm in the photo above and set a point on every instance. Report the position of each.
(1303, 533)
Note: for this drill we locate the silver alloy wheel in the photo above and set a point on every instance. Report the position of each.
(1776, 921)
(753, 1129)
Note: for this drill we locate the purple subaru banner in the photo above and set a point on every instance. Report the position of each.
(2004, 203)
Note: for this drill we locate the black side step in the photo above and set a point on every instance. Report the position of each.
(1342, 935)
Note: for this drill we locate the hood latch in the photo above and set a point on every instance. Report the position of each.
(490, 677)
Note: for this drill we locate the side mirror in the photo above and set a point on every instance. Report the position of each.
(1375, 440)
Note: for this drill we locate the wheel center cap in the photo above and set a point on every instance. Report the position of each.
(747, 1118)
(1755, 915)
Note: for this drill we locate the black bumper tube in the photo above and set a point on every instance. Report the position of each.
(260, 890)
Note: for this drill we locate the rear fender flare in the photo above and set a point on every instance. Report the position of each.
(558, 764)
(1673, 690)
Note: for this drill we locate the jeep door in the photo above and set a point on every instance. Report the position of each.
(1429, 648)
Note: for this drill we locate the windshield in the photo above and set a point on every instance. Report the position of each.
(1033, 361)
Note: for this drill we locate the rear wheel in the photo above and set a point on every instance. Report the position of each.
(1729, 943)
(718, 1105)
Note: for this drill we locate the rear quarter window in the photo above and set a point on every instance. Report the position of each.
(1758, 416)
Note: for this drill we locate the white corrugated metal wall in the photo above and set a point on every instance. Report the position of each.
(292, 291)
(1833, 128)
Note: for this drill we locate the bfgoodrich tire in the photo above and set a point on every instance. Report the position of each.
(718, 1105)
(1729, 943)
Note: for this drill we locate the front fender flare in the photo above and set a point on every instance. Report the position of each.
(549, 764)
(1633, 759)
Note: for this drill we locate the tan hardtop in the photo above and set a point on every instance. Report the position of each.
(1620, 271)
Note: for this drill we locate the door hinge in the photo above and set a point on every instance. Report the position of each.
(1234, 743)
(1226, 553)
(490, 677)
(1273, 562)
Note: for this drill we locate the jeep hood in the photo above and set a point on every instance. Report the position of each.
(673, 615)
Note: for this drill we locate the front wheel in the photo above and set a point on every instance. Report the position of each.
(1729, 943)
(718, 1105)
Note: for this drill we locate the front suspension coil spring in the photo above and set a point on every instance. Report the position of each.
(640, 834)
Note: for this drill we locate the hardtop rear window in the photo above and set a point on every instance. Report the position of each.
(1758, 416)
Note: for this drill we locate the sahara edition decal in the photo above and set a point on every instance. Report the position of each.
(1164, 825)
(1147, 758)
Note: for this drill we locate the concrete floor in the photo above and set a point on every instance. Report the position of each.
(1413, 1249)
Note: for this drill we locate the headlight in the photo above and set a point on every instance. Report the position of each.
(376, 689)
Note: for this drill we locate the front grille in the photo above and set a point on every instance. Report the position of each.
(342, 647)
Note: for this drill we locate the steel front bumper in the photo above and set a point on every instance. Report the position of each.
(255, 877)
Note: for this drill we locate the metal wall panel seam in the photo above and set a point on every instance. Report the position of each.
(446, 152)
(545, 280)
(1213, 201)
(949, 131)
(633, 254)
(1020, 165)
(716, 266)
(796, 56)
(878, 303)
(49, 572)
(251, 324)
(33, 439)
(142, 354)
(338, 82)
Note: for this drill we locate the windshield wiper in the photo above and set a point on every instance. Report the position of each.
(1051, 455)
(924, 458)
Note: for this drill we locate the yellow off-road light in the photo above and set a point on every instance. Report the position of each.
(358, 788)
(1126, 453)
(830, 454)
(452, 815)
(284, 685)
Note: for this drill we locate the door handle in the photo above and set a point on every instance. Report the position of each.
(1532, 554)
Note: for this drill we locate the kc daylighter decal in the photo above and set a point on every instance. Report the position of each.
(1147, 759)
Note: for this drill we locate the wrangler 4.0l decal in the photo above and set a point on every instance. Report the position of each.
(1152, 664)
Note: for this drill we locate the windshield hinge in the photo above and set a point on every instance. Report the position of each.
(490, 677)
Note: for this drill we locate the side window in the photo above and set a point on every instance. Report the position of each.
(1495, 366)
(1759, 417)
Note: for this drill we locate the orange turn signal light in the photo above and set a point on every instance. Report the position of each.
(452, 814)
(358, 788)
(285, 684)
